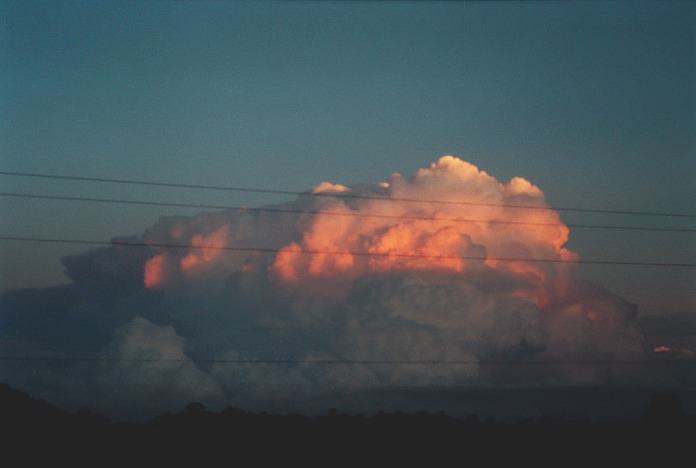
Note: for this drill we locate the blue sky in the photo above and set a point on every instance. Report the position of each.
(594, 102)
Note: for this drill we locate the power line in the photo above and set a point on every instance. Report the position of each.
(341, 195)
(339, 361)
(335, 252)
(351, 214)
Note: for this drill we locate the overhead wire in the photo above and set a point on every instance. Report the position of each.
(341, 361)
(343, 195)
(125, 243)
(352, 214)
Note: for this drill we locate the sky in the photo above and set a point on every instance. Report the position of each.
(594, 103)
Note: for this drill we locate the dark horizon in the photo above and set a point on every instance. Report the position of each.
(655, 405)
(664, 429)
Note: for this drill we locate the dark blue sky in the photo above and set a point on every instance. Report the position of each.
(594, 102)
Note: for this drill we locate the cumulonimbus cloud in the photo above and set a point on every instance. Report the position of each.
(213, 309)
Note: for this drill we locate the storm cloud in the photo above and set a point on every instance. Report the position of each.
(434, 306)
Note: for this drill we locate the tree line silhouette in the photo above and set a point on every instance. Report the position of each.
(46, 431)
